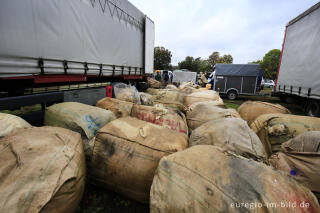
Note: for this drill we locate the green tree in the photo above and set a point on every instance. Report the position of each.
(225, 59)
(205, 66)
(162, 58)
(175, 67)
(190, 63)
(270, 64)
(255, 62)
(213, 58)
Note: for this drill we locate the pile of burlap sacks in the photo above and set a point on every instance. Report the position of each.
(178, 149)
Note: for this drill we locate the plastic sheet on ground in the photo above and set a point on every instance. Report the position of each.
(126, 92)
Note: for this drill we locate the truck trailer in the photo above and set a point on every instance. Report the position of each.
(298, 78)
(51, 48)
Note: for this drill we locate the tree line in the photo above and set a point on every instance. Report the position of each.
(162, 61)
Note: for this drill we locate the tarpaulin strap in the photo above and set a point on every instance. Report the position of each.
(65, 66)
(113, 69)
(100, 68)
(86, 68)
(41, 65)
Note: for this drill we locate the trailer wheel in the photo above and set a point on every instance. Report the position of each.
(232, 95)
(282, 98)
(313, 109)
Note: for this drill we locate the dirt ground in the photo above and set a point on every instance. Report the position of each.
(98, 200)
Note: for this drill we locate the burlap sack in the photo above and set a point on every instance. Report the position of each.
(169, 98)
(210, 179)
(275, 129)
(145, 98)
(127, 152)
(153, 83)
(201, 96)
(188, 90)
(161, 116)
(207, 103)
(9, 123)
(233, 134)
(118, 107)
(130, 94)
(188, 84)
(153, 91)
(203, 112)
(81, 118)
(300, 158)
(42, 170)
(171, 87)
(250, 110)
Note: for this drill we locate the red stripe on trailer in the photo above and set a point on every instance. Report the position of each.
(133, 77)
(284, 40)
(41, 79)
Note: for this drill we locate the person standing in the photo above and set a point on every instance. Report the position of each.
(158, 76)
(165, 78)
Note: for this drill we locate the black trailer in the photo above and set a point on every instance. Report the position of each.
(237, 79)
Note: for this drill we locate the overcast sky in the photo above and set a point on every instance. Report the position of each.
(246, 29)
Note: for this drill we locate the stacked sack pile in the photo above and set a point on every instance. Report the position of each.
(225, 168)
(291, 141)
(127, 150)
(178, 149)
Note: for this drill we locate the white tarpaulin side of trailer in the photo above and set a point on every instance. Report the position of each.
(93, 31)
(149, 45)
(300, 64)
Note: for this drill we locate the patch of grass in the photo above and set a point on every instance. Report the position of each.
(232, 105)
(266, 90)
(23, 110)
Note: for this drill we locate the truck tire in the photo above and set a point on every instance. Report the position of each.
(232, 95)
(313, 109)
(288, 99)
(282, 98)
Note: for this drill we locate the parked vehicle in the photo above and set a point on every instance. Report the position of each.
(269, 83)
(237, 79)
(94, 45)
(184, 76)
(262, 84)
(298, 78)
